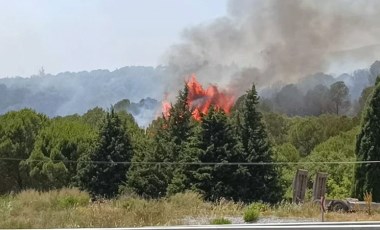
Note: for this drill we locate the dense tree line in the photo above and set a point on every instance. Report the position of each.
(107, 153)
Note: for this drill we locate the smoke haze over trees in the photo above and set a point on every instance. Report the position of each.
(139, 91)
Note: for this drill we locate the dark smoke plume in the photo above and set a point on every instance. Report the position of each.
(278, 40)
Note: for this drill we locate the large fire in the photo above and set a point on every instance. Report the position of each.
(200, 99)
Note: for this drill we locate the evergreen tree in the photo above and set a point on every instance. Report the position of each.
(151, 180)
(262, 181)
(99, 173)
(170, 137)
(184, 173)
(218, 145)
(368, 149)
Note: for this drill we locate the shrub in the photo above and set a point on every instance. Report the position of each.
(220, 221)
(71, 201)
(252, 213)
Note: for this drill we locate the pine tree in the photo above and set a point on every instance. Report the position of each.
(368, 149)
(100, 172)
(218, 145)
(151, 180)
(171, 135)
(261, 181)
(184, 173)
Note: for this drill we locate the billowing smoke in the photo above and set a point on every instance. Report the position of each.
(268, 41)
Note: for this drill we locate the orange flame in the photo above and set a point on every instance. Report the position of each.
(166, 106)
(200, 100)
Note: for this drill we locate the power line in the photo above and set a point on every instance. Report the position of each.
(193, 163)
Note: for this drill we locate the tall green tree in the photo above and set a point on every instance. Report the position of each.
(101, 172)
(218, 144)
(339, 95)
(18, 132)
(368, 149)
(151, 180)
(365, 95)
(170, 137)
(263, 182)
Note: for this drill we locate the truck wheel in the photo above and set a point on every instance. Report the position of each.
(339, 206)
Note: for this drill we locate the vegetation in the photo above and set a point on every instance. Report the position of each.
(101, 172)
(251, 213)
(70, 208)
(368, 149)
(18, 132)
(142, 172)
(263, 183)
(220, 221)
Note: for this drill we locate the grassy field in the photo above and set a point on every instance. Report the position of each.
(71, 208)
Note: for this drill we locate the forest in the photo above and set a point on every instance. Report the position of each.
(229, 155)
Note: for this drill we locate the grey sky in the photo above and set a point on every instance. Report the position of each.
(75, 35)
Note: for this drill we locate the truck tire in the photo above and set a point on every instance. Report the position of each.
(338, 206)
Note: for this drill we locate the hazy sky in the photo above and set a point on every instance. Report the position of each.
(75, 35)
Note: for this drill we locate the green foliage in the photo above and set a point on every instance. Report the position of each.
(122, 105)
(338, 148)
(277, 126)
(287, 153)
(363, 100)
(215, 143)
(306, 133)
(70, 201)
(262, 182)
(170, 136)
(368, 149)
(52, 163)
(220, 221)
(94, 117)
(99, 173)
(251, 213)
(18, 132)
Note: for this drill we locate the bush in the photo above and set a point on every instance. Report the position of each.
(220, 221)
(252, 213)
(70, 201)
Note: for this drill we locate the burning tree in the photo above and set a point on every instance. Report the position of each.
(199, 100)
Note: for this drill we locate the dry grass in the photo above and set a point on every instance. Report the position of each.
(357, 216)
(312, 210)
(70, 208)
(289, 210)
